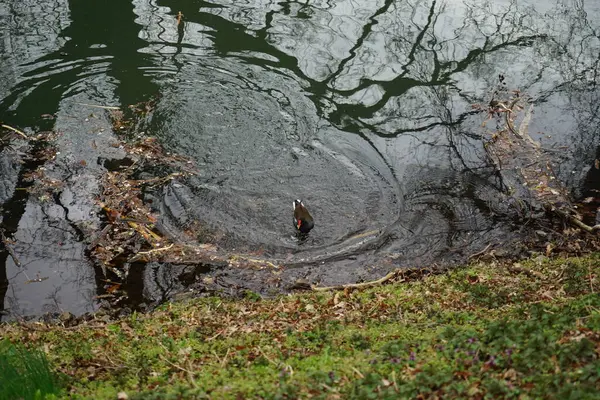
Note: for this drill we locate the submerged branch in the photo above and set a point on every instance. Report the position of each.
(20, 133)
(523, 164)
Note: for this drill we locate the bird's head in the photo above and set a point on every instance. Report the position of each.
(298, 203)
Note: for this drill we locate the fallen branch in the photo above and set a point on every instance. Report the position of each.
(97, 106)
(361, 285)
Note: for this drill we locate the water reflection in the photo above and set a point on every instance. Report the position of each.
(57, 52)
(362, 109)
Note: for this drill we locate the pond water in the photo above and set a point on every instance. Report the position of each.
(363, 109)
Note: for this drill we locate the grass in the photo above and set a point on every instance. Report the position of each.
(478, 332)
(25, 374)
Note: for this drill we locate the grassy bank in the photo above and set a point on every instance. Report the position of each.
(480, 331)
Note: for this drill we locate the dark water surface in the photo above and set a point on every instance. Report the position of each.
(361, 108)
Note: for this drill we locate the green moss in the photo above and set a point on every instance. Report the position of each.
(480, 331)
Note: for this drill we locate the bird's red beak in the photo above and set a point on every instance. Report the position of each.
(299, 223)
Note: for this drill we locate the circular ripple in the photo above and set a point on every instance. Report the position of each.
(260, 147)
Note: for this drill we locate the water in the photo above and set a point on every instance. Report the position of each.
(362, 109)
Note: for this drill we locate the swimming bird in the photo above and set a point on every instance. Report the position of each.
(303, 221)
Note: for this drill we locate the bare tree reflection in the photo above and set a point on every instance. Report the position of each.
(400, 75)
(362, 64)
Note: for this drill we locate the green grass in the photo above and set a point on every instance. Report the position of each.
(477, 332)
(25, 374)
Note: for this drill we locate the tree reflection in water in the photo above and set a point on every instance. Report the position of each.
(391, 81)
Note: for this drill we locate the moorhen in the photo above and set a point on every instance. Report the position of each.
(303, 221)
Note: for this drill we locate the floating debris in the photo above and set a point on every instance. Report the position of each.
(525, 167)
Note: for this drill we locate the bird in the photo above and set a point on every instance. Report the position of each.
(303, 221)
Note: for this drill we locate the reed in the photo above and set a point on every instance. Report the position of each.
(25, 373)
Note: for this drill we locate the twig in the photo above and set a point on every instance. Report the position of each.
(156, 250)
(254, 261)
(267, 357)
(580, 224)
(215, 336)
(359, 285)
(520, 270)
(224, 360)
(97, 106)
(591, 278)
(190, 374)
(10, 250)
(360, 375)
(16, 131)
(146, 233)
(574, 221)
(509, 111)
(12, 254)
(394, 380)
(479, 252)
(94, 364)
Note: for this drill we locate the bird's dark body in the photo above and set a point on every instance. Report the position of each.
(303, 221)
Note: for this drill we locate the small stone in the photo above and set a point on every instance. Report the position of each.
(300, 284)
(122, 396)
